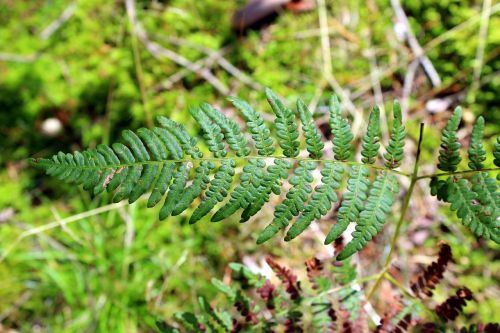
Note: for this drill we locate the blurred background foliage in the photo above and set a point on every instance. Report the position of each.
(117, 268)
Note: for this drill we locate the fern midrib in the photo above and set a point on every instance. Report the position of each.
(220, 159)
(248, 157)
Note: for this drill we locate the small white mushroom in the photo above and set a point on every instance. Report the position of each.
(51, 126)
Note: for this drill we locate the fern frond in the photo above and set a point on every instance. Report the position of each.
(395, 152)
(286, 128)
(371, 140)
(294, 202)
(453, 306)
(449, 154)
(433, 274)
(373, 217)
(477, 154)
(313, 137)
(353, 201)
(321, 200)
(341, 131)
(160, 160)
(473, 215)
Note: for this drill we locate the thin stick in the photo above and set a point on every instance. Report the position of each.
(54, 26)
(168, 83)
(218, 56)
(408, 85)
(415, 46)
(463, 172)
(328, 71)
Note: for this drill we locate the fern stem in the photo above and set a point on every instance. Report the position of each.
(406, 204)
(463, 172)
(220, 159)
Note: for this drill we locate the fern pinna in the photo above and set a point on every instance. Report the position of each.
(168, 162)
(476, 200)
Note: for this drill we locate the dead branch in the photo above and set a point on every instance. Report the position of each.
(54, 26)
(417, 50)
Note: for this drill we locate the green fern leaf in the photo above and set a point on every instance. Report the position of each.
(353, 202)
(373, 217)
(473, 215)
(286, 128)
(271, 183)
(217, 191)
(477, 154)
(486, 189)
(171, 144)
(395, 152)
(187, 143)
(261, 135)
(341, 132)
(313, 137)
(192, 192)
(175, 191)
(212, 132)
(294, 202)
(135, 143)
(250, 180)
(321, 200)
(232, 132)
(161, 184)
(449, 154)
(371, 140)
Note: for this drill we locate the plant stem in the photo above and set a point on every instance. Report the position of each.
(406, 204)
(220, 159)
(463, 172)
